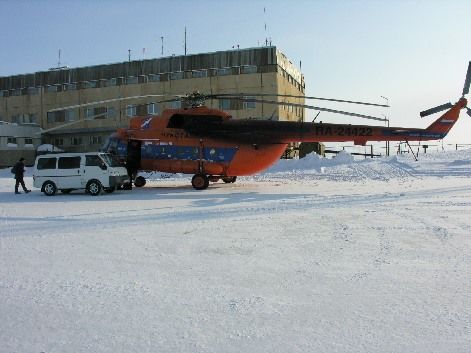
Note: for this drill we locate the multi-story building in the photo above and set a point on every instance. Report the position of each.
(75, 127)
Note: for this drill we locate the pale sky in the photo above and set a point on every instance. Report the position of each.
(415, 53)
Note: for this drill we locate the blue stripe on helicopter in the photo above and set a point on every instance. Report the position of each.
(212, 154)
(421, 134)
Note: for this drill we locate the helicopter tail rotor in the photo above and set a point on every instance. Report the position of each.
(467, 81)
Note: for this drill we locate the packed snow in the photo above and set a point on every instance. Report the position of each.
(314, 255)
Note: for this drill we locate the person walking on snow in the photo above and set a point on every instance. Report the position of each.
(19, 169)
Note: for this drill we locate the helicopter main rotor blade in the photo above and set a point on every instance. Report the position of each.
(467, 81)
(317, 108)
(435, 109)
(228, 95)
(112, 100)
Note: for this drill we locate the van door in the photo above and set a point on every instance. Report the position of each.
(95, 168)
(68, 173)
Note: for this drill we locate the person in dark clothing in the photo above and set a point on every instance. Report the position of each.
(19, 174)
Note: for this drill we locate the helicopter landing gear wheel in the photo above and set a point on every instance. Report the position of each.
(139, 182)
(200, 181)
(229, 179)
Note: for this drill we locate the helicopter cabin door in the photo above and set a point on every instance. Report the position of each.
(133, 157)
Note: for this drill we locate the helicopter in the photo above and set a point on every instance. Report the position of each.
(210, 145)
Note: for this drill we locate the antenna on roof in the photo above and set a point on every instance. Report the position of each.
(185, 40)
(59, 61)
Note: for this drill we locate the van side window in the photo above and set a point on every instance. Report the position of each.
(69, 163)
(93, 161)
(47, 163)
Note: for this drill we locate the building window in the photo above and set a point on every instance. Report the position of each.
(248, 69)
(96, 113)
(25, 119)
(224, 71)
(110, 113)
(58, 141)
(70, 86)
(176, 104)
(142, 79)
(51, 88)
(61, 116)
(176, 75)
(111, 82)
(152, 109)
(199, 73)
(28, 141)
(131, 110)
(131, 80)
(76, 141)
(11, 140)
(96, 140)
(154, 78)
(225, 104)
(249, 104)
(32, 91)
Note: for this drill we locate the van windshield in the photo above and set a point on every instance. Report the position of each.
(111, 160)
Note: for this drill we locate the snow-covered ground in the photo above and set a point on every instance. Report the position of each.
(314, 255)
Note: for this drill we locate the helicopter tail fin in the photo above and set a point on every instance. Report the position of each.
(445, 122)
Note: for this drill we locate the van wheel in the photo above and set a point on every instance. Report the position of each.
(200, 181)
(94, 187)
(140, 182)
(49, 188)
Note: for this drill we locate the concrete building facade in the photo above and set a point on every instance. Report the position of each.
(29, 98)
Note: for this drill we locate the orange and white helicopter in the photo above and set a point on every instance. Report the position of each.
(211, 145)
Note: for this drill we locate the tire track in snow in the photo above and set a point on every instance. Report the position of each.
(265, 204)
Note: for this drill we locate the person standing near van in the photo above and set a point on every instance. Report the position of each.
(19, 170)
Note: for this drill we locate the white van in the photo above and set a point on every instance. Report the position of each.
(92, 171)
